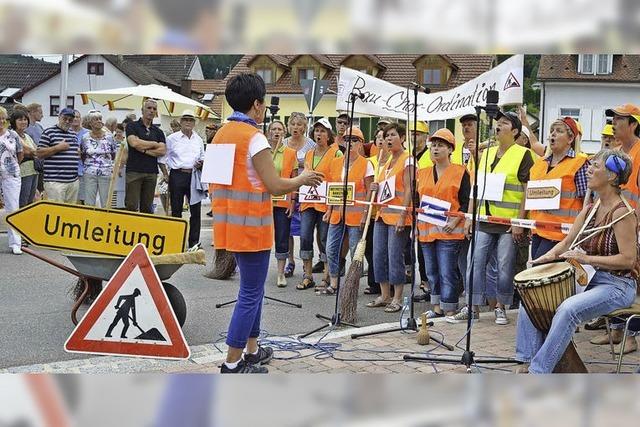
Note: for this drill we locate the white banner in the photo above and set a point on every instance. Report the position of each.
(388, 100)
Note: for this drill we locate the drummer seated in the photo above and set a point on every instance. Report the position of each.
(611, 251)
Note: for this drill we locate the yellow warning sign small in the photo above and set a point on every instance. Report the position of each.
(335, 190)
(542, 193)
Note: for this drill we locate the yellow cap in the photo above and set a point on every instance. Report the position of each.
(421, 127)
(607, 130)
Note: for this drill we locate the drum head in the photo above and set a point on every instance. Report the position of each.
(544, 271)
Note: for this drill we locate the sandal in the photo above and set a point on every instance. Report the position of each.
(371, 291)
(306, 283)
(322, 287)
(330, 290)
(392, 307)
(378, 302)
(289, 269)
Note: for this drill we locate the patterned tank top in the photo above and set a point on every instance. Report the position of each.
(604, 243)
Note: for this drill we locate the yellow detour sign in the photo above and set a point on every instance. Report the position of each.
(335, 191)
(99, 231)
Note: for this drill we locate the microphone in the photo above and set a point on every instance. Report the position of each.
(491, 106)
(357, 95)
(421, 87)
(275, 105)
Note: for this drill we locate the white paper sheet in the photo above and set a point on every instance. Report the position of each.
(543, 194)
(309, 194)
(218, 164)
(387, 190)
(493, 188)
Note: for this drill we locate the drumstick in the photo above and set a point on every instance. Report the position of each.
(595, 230)
(586, 222)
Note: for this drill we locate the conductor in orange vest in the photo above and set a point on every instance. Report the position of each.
(243, 217)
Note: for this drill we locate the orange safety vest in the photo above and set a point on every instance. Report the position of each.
(630, 189)
(323, 167)
(242, 212)
(390, 216)
(570, 203)
(357, 172)
(289, 163)
(445, 189)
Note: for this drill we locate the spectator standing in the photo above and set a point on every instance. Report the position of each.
(59, 148)
(10, 158)
(97, 151)
(184, 157)
(146, 144)
(19, 121)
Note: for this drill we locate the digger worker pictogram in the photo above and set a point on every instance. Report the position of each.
(125, 304)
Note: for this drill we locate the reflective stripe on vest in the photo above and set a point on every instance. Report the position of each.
(249, 221)
(513, 194)
(570, 204)
(244, 196)
(446, 189)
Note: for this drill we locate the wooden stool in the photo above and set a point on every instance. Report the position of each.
(629, 314)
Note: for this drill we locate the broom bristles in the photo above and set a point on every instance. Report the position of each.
(349, 292)
(224, 265)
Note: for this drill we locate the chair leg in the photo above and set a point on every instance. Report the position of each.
(624, 341)
(608, 326)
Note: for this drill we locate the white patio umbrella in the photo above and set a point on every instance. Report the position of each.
(170, 103)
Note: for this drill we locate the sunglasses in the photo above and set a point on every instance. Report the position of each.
(352, 139)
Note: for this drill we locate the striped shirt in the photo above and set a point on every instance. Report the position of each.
(62, 166)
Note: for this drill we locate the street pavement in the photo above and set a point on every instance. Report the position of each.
(36, 322)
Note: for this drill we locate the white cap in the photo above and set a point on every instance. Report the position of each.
(525, 131)
(324, 122)
(188, 113)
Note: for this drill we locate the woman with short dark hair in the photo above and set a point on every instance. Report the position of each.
(243, 216)
(19, 122)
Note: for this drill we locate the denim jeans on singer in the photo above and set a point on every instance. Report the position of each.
(505, 249)
(310, 220)
(607, 292)
(281, 227)
(334, 237)
(245, 321)
(388, 248)
(440, 258)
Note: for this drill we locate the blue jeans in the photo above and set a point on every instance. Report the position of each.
(388, 248)
(281, 227)
(491, 290)
(245, 321)
(334, 237)
(504, 247)
(607, 292)
(528, 338)
(440, 259)
(310, 220)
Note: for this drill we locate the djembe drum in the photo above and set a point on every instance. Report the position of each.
(542, 289)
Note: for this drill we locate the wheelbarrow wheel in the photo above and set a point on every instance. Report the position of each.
(177, 302)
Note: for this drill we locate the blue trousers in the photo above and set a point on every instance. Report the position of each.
(440, 259)
(334, 238)
(245, 321)
(607, 292)
(281, 227)
(388, 248)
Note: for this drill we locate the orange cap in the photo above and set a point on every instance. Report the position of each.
(626, 110)
(444, 135)
(355, 131)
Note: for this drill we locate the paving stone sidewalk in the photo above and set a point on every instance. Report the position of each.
(373, 354)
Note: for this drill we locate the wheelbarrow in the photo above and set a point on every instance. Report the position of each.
(92, 270)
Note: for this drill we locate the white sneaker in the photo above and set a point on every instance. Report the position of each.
(462, 316)
(501, 316)
(16, 250)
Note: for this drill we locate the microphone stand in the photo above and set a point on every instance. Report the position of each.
(468, 356)
(335, 320)
(411, 321)
(273, 110)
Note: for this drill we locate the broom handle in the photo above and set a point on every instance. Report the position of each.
(369, 212)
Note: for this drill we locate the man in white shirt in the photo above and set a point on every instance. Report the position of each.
(185, 154)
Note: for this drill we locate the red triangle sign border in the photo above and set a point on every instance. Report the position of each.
(78, 343)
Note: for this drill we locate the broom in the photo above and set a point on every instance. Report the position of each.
(349, 294)
(224, 265)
